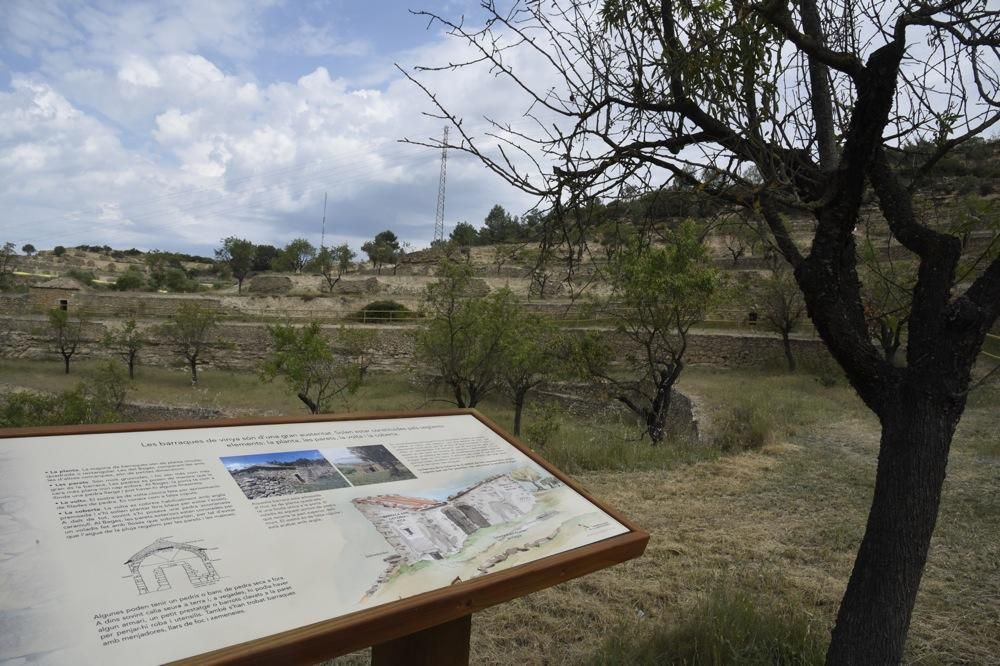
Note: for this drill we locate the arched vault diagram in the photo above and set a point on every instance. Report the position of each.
(149, 566)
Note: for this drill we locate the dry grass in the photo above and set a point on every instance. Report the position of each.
(780, 525)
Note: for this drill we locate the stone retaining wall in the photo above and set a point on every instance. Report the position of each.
(246, 344)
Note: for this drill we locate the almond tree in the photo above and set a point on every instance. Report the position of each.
(126, 341)
(312, 367)
(191, 331)
(782, 307)
(333, 262)
(67, 332)
(815, 98)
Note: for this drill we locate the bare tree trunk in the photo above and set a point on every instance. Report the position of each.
(459, 395)
(875, 613)
(131, 367)
(193, 363)
(518, 409)
(656, 417)
(787, 343)
(313, 407)
(66, 363)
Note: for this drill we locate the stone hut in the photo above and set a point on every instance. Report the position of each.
(57, 293)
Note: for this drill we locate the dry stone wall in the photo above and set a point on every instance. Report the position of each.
(245, 344)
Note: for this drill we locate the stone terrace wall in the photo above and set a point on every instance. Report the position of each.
(137, 304)
(247, 344)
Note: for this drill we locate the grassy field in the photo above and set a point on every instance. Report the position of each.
(753, 536)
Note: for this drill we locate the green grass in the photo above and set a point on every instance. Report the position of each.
(726, 627)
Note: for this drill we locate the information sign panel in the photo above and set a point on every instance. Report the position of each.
(306, 538)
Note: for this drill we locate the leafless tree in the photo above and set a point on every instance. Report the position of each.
(816, 99)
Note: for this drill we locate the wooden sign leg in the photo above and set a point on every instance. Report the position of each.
(444, 645)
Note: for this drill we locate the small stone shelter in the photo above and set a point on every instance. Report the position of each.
(56, 293)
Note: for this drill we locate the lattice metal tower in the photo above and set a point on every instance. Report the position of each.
(439, 218)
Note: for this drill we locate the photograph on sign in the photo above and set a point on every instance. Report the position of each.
(146, 547)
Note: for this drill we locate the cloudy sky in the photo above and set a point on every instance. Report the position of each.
(171, 124)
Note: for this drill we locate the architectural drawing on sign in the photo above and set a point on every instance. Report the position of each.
(150, 566)
(420, 529)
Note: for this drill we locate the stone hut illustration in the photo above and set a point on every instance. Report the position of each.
(149, 565)
(418, 528)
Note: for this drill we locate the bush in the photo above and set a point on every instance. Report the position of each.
(59, 250)
(132, 280)
(173, 279)
(98, 400)
(82, 276)
(727, 627)
(377, 311)
(545, 426)
(746, 427)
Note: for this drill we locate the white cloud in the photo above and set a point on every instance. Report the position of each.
(163, 147)
(139, 72)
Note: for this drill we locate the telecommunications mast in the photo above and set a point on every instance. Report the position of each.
(322, 236)
(439, 218)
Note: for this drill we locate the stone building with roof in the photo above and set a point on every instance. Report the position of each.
(56, 293)
(418, 528)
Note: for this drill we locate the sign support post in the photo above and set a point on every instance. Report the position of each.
(443, 645)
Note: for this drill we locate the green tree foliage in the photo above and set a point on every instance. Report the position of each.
(238, 255)
(464, 339)
(533, 352)
(500, 226)
(264, 258)
(384, 249)
(28, 249)
(167, 272)
(657, 294)
(384, 311)
(132, 279)
(7, 255)
(296, 255)
(464, 235)
(67, 333)
(192, 333)
(58, 250)
(125, 341)
(315, 368)
(332, 263)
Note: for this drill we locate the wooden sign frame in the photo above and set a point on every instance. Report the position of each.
(446, 608)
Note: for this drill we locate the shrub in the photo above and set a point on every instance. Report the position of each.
(727, 627)
(85, 277)
(59, 250)
(543, 428)
(132, 280)
(98, 400)
(377, 311)
(746, 427)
